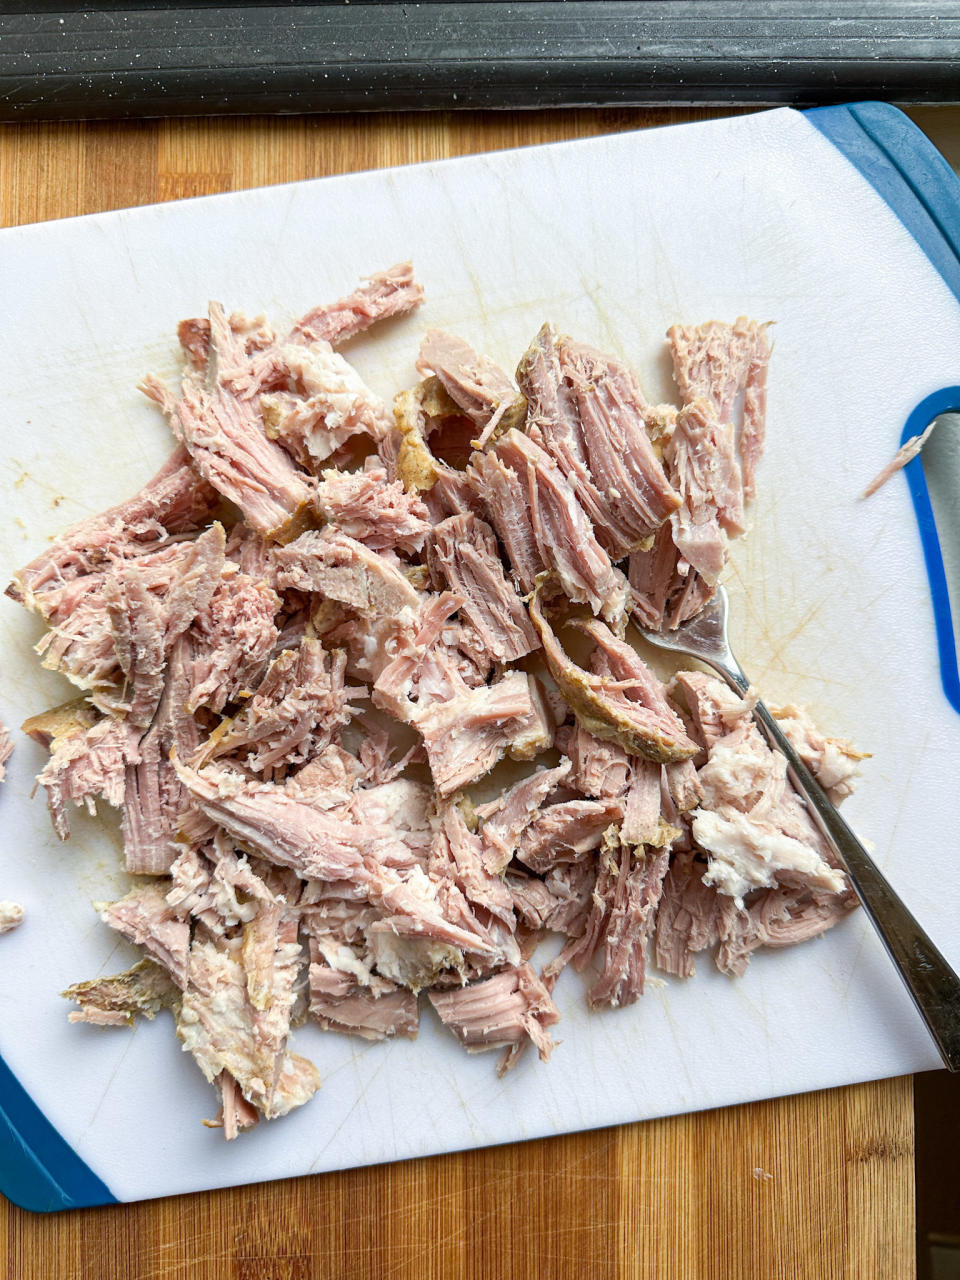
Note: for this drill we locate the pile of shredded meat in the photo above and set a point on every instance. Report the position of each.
(361, 686)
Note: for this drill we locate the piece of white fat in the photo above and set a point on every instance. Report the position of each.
(746, 854)
(413, 962)
(11, 914)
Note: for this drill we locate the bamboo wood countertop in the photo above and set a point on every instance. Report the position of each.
(818, 1187)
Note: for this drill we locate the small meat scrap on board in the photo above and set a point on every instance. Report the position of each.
(587, 411)
(421, 412)
(11, 915)
(478, 386)
(909, 450)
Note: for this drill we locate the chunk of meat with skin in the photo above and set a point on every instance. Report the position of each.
(299, 708)
(408, 457)
(6, 750)
(683, 785)
(462, 555)
(563, 535)
(118, 1000)
(719, 361)
(175, 501)
(343, 569)
(628, 706)
(146, 919)
(328, 405)
(338, 1002)
(587, 410)
(389, 293)
(503, 1010)
(379, 513)
(478, 386)
(504, 820)
(232, 641)
(566, 832)
(226, 441)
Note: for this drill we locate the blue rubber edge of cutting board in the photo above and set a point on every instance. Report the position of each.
(39, 1171)
(905, 168)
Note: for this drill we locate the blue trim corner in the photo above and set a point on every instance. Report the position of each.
(39, 1171)
(945, 401)
(906, 170)
(912, 177)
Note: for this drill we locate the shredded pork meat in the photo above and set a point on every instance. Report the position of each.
(323, 681)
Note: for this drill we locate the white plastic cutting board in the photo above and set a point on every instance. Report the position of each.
(613, 240)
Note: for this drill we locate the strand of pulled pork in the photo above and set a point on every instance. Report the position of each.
(305, 869)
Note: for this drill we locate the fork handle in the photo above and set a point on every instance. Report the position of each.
(928, 977)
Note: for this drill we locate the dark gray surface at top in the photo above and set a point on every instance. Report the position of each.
(116, 59)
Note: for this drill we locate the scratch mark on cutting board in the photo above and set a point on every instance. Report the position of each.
(131, 1033)
(358, 1098)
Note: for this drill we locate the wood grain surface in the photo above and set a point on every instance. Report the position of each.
(818, 1187)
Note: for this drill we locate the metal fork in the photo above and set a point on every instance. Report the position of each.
(934, 986)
